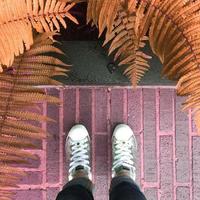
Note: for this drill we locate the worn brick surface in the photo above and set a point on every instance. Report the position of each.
(29, 194)
(101, 110)
(69, 117)
(85, 107)
(196, 168)
(194, 128)
(151, 193)
(138, 161)
(52, 149)
(183, 193)
(52, 193)
(168, 157)
(182, 144)
(101, 165)
(166, 167)
(150, 164)
(117, 107)
(69, 106)
(135, 110)
(166, 109)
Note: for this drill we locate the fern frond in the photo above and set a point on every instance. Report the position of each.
(16, 95)
(173, 29)
(126, 44)
(34, 97)
(102, 13)
(17, 21)
(6, 194)
(17, 142)
(35, 132)
(10, 131)
(174, 38)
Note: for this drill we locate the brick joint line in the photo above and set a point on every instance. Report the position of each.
(142, 141)
(174, 143)
(190, 154)
(61, 153)
(44, 159)
(93, 134)
(157, 99)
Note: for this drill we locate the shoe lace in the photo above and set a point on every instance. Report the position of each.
(79, 155)
(124, 155)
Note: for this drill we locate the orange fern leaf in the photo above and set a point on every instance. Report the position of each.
(17, 94)
(17, 21)
(126, 43)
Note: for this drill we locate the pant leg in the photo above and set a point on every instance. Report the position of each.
(124, 188)
(77, 189)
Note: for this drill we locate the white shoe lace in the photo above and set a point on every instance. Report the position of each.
(79, 156)
(124, 155)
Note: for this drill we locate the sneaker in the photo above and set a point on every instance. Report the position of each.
(78, 147)
(124, 148)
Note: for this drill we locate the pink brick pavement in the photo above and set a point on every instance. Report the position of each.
(168, 164)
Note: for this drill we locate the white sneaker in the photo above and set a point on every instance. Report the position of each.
(124, 148)
(78, 147)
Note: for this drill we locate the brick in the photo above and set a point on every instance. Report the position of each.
(150, 165)
(101, 164)
(116, 107)
(32, 178)
(166, 109)
(101, 154)
(28, 194)
(69, 119)
(102, 144)
(65, 162)
(166, 167)
(101, 167)
(182, 193)
(135, 110)
(52, 193)
(86, 108)
(151, 193)
(196, 171)
(182, 144)
(101, 110)
(101, 189)
(138, 161)
(194, 128)
(53, 140)
(69, 106)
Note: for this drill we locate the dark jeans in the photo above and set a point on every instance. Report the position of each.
(122, 188)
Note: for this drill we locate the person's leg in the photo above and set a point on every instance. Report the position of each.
(124, 188)
(77, 189)
(124, 148)
(80, 185)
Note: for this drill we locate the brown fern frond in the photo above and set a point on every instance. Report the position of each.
(10, 131)
(6, 195)
(126, 44)
(18, 19)
(174, 37)
(17, 142)
(102, 13)
(16, 94)
(173, 29)
(23, 126)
